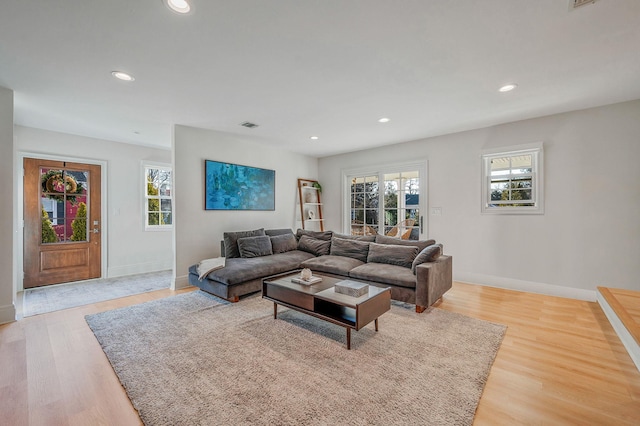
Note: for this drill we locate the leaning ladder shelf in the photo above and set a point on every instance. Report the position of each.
(310, 205)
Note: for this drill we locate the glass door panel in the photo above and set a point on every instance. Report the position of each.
(402, 205)
(64, 205)
(364, 205)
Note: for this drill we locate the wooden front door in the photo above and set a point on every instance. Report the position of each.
(62, 239)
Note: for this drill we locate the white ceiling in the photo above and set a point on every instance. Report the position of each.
(299, 68)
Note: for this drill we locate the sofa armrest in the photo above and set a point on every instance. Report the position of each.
(433, 279)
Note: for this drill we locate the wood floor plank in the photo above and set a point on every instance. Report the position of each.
(560, 363)
(13, 383)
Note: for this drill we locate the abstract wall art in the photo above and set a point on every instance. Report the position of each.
(235, 187)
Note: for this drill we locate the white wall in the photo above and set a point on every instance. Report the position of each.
(590, 233)
(7, 307)
(198, 232)
(130, 249)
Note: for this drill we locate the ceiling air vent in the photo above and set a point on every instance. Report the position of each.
(249, 125)
(574, 4)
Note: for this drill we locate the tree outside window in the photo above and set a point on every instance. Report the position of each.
(158, 201)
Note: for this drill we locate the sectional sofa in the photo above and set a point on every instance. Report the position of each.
(416, 271)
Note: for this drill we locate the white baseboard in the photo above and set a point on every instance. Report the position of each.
(627, 339)
(528, 286)
(180, 282)
(7, 313)
(139, 268)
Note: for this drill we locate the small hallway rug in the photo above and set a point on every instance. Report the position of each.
(54, 298)
(188, 359)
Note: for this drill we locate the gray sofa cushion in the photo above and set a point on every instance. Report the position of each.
(429, 254)
(350, 248)
(326, 235)
(421, 244)
(386, 274)
(281, 231)
(392, 254)
(339, 265)
(231, 241)
(369, 238)
(254, 246)
(237, 271)
(283, 243)
(314, 246)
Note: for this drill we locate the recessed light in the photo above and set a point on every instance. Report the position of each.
(384, 120)
(314, 138)
(122, 76)
(178, 6)
(508, 87)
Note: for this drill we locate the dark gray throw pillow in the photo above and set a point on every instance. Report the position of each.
(283, 243)
(369, 238)
(326, 235)
(429, 254)
(279, 231)
(421, 244)
(255, 246)
(314, 246)
(350, 248)
(231, 241)
(392, 254)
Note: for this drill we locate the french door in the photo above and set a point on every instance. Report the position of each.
(62, 239)
(387, 202)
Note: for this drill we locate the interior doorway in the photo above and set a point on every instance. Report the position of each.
(62, 222)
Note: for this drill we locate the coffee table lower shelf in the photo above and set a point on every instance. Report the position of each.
(321, 301)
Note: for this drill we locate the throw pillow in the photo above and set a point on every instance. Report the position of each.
(231, 241)
(421, 244)
(369, 238)
(429, 254)
(314, 246)
(280, 231)
(350, 248)
(326, 235)
(255, 246)
(392, 254)
(283, 243)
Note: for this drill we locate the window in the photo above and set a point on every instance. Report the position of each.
(158, 203)
(513, 181)
(386, 201)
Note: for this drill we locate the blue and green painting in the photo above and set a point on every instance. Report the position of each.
(235, 187)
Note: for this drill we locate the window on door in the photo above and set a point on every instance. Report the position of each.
(387, 202)
(158, 197)
(64, 202)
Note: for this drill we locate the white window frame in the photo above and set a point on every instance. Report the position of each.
(381, 170)
(537, 179)
(145, 197)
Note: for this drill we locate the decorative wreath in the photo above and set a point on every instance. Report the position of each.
(53, 182)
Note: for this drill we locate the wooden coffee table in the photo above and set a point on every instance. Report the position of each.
(321, 301)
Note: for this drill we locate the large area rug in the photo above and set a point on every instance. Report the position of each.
(54, 298)
(190, 360)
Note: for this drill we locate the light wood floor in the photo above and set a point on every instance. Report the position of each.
(560, 363)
